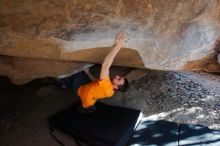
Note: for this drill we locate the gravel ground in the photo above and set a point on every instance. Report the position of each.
(182, 97)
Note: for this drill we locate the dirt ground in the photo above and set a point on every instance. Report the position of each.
(182, 97)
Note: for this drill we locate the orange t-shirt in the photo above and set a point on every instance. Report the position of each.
(89, 93)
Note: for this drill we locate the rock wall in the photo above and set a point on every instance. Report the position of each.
(22, 70)
(160, 34)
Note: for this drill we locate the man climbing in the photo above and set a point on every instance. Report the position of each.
(93, 90)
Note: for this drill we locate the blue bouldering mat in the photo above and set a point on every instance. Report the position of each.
(164, 133)
(106, 126)
(155, 133)
(197, 135)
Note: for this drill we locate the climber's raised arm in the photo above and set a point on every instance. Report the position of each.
(111, 55)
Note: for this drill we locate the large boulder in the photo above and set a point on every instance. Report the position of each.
(160, 35)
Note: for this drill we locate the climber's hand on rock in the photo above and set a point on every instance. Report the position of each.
(119, 39)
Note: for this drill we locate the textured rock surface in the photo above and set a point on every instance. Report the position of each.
(22, 70)
(161, 35)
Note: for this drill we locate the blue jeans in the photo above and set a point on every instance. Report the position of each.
(74, 81)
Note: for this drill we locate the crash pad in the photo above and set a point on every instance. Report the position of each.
(198, 135)
(106, 126)
(155, 133)
(165, 133)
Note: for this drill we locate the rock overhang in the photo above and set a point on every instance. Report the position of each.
(160, 35)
